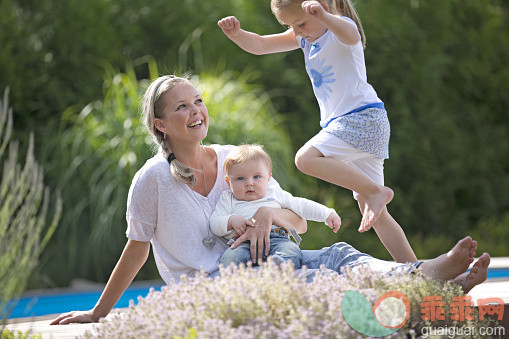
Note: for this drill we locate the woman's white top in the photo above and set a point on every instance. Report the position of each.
(174, 218)
(338, 75)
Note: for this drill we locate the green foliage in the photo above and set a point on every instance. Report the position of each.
(49, 54)
(490, 233)
(23, 209)
(104, 145)
(7, 334)
(441, 68)
(59, 46)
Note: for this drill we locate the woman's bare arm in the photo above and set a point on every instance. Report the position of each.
(257, 44)
(133, 257)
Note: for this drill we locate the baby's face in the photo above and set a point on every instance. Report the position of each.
(249, 181)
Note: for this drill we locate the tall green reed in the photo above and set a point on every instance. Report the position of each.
(24, 204)
(98, 150)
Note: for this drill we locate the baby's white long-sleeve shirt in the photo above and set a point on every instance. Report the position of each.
(275, 197)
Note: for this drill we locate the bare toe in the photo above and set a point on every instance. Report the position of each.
(477, 274)
(474, 245)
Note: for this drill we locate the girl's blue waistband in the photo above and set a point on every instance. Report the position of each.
(373, 105)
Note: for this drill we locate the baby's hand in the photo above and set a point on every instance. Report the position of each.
(239, 224)
(314, 8)
(230, 25)
(334, 221)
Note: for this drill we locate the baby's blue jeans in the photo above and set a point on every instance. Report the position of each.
(280, 244)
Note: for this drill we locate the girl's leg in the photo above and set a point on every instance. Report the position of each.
(392, 235)
(311, 161)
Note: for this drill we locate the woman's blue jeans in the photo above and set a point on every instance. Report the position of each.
(339, 256)
(336, 257)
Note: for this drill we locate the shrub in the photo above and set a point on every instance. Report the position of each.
(272, 302)
(23, 209)
(7, 334)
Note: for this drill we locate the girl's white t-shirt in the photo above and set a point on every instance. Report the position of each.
(174, 218)
(338, 74)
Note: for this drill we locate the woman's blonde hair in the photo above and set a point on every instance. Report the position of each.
(244, 153)
(153, 107)
(338, 7)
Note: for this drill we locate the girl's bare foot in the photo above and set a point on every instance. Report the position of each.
(373, 207)
(477, 274)
(453, 263)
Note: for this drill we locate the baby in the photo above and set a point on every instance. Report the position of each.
(248, 171)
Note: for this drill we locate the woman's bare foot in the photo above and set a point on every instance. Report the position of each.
(453, 263)
(476, 275)
(373, 207)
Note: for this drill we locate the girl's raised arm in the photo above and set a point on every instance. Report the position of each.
(132, 259)
(257, 44)
(345, 30)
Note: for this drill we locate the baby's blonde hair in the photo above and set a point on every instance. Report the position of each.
(245, 153)
(337, 7)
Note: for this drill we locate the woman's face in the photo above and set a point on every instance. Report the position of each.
(186, 119)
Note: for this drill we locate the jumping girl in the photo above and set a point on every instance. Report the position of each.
(350, 149)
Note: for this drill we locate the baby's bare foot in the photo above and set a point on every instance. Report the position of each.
(477, 274)
(374, 205)
(453, 263)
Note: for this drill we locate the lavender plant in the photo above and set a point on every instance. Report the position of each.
(24, 201)
(271, 302)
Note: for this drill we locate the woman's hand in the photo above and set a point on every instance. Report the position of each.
(259, 235)
(230, 25)
(75, 317)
